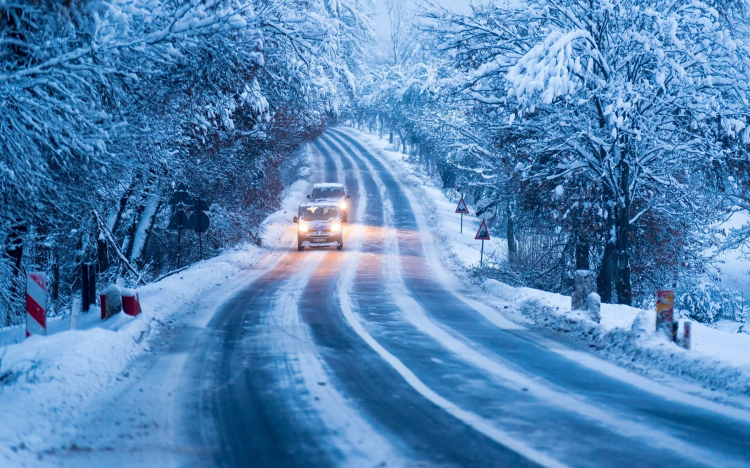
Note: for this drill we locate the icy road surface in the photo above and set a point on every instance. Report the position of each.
(376, 356)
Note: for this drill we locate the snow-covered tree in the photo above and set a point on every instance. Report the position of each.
(633, 98)
(108, 104)
(402, 45)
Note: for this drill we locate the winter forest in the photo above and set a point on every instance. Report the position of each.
(609, 135)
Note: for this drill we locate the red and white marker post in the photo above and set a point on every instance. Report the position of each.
(483, 234)
(461, 208)
(36, 304)
(687, 335)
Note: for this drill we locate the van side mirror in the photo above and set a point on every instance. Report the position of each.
(308, 196)
(348, 196)
(296, 220)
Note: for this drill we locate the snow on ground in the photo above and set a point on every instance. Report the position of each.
(45, 382)
(718, 365)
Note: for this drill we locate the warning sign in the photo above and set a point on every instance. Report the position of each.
(461, 208)
(483, 233)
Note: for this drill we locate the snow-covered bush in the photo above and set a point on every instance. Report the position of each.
(741, 316)
(706, 303)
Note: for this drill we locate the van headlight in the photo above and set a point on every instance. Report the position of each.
(335, 227)
(303, 227)
(343, 205)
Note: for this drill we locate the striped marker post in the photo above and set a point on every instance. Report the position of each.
(36, 304)
(687, 337)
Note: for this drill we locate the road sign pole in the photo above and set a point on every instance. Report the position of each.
(462, 215)
(85, 277)
(92, 283)
(483, 234)
(199, 221)
(462, 210)
(179, 236)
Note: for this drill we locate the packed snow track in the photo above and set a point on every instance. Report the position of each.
(377, 356)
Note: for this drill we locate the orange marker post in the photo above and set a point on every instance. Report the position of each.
(665, 313)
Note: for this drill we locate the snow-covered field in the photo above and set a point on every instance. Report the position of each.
(717, 366)
(45, 382)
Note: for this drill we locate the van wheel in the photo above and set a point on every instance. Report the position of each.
(341, 244)
(300, 247)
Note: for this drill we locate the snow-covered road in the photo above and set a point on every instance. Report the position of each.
(378, 356)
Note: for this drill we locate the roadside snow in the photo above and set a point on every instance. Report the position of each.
(719, 362)
(45, 382)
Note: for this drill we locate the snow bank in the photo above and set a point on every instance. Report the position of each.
(46, 381)
(718, 361)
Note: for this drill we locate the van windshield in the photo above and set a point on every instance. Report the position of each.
(327, 192)
(318, 213)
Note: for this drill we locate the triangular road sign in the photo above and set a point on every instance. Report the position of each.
(180, 196)
(179, 220)
(483, 233)
(461, 208)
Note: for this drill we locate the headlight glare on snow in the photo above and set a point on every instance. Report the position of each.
(303, 227)
(335, 227)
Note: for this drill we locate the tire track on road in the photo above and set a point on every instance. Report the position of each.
(519, 347)
(246, 418)
(251, 423)
(435, 437)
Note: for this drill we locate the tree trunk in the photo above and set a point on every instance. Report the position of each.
(145, 226)
(102, 259)
(510, 233)
(390, 138)
(606, 273)
(55, 286)
(607, 268)
(582, 253)
(124, 203)
(14, 253)
(150, 230)
(563, 263)
(142, 219)
(622, 283)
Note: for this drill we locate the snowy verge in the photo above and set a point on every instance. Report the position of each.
(718, 363)
(46, 381)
